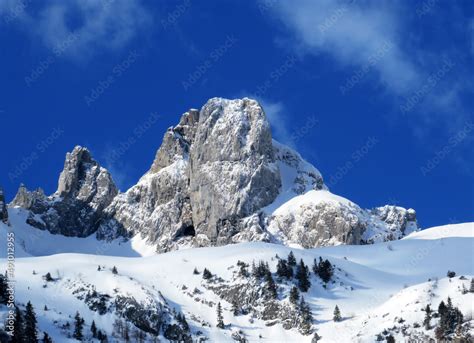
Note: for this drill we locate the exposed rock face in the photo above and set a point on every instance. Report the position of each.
(233, 171)
(322, 218)
(158, 206)
(3, 208)
(217, 178)
(213, 169)
(85, 189)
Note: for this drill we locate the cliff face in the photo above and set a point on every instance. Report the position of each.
(217, 178)
(85, 189)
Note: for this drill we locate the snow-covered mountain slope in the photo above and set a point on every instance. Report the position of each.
(381, 289)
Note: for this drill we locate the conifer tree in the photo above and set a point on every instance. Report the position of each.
(471, 289)
(325, 270)
(206, 274)
(337, 314)
(316, 338)
(294, 295)
(282, 268)
(46, 338)
(302, 275)
(427, 320)
(3, 289)
(48, 277)
(18, 327)
(235, 308)
(315, 267)
(114, 270)
(306, 317)
(78, 326)
(98, 268)
(220, 318)
(270, 285)
(31, 335)
(195, 271)
(291, 259)
(93, 329)
(390, 339)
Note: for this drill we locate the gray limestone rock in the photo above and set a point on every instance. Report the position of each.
(85, 189)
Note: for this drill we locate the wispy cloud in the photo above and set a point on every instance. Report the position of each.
(275, 113)
(354, 34)
(95, 24)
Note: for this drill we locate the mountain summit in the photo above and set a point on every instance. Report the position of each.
(217, 178)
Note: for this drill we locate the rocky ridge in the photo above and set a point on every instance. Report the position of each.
(217, 178)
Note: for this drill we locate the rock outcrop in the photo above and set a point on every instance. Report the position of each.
(232, 166)
(217, 178)
(320, 218)
(85, 189)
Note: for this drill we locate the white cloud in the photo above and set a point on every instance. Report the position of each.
(353, 34)
(275, 113)
(79, 28)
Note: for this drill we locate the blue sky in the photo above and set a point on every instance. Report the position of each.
(377, 95)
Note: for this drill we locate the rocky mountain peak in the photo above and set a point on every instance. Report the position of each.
(85, 189)
(233, 171)
(217, 178)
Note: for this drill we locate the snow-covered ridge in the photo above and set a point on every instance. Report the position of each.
(381, 289)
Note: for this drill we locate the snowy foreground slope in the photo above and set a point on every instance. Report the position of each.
(381, 289)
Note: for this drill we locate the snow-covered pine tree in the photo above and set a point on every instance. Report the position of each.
(294, 295)
(427, 320)
(270, 285)
(282, 268)
(315, 267)
(206, 274)
(93, 329)
(316, 338)
(31, 335)
(18, 327)
(220, 318)
(3, 288)
(235, 308)
(291, 259)
(306, 317)
(78, 326)
(337, 314)
(114, 270)
(46, 338)
(302, 275)
(325, 270)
